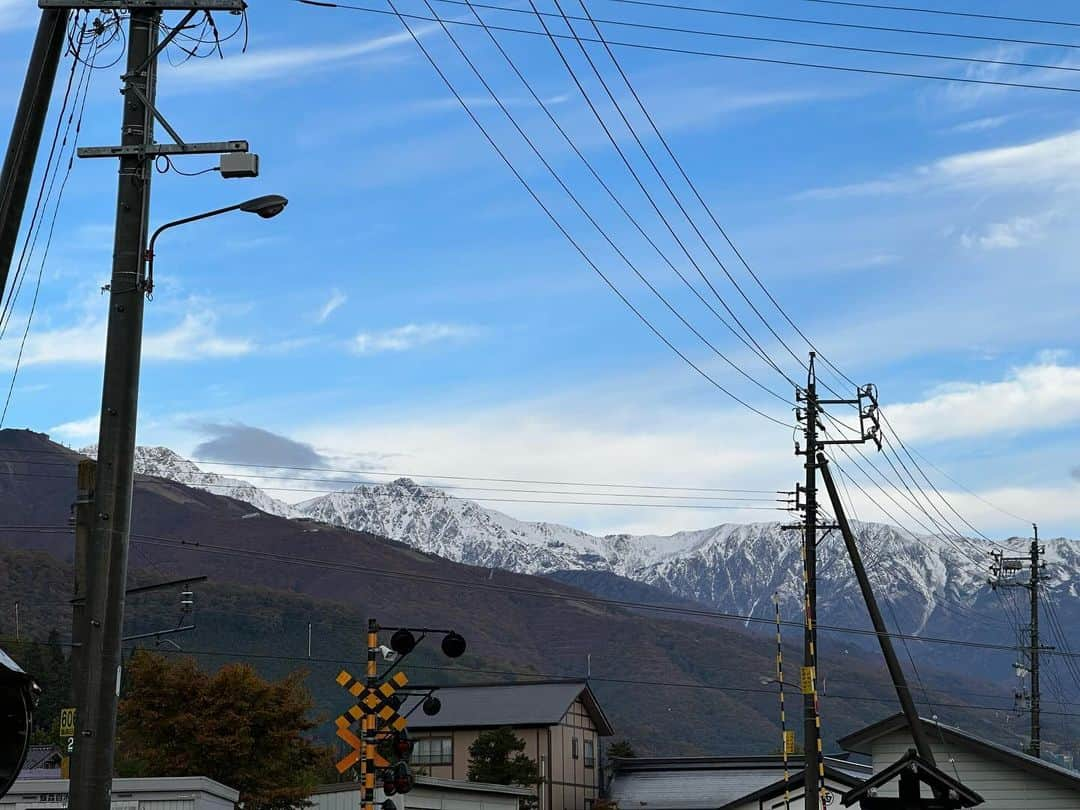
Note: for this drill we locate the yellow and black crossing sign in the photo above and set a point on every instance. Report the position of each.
(371, 707)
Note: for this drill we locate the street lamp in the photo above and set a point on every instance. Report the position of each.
(267, 206)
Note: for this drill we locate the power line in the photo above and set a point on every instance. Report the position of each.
(209, 482)
(945, 12)
(83, 89)
(429, 476)
(857, 26)
(530, 674)
(196, 545)
(562, 229)
(772, 40)
(712, 54)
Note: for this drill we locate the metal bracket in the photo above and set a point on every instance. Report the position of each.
(210, 148)
(151, 5)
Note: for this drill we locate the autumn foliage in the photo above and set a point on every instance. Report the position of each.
(232, 726)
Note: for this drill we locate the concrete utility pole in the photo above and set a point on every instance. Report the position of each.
(809, 409)
(103, 558)
(26, 131)
(1004, 570)
(92, 768)
(1036, 696)
(811, 717)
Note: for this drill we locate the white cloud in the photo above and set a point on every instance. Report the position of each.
(979, 124)
(79, 429)
(336, 299)
(1034, 397)
(195, 337)
(16, 13)
(1050, 163)
(273, 63)
(1014, 233)
(411, 336)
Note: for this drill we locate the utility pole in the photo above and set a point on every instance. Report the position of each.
(84, 524)
(811, 716)
(1004, 570)
(26, 131)
(92, 769)
(808, 410)
(106, 551)
(1036, 575)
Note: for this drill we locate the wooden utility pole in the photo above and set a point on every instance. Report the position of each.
(92, 768)
(26, 131)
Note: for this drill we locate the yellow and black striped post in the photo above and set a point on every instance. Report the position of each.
(787, 745)
(809, 689)
(367, 723)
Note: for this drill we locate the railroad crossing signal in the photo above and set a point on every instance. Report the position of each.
(372, 702)
(376, 709)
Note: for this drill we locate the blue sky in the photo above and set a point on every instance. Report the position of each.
(414, 310)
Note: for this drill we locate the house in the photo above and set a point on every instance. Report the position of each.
(724, 783)
(429, 793)
(1006, 779)
(161, 793)
(561, 723)
(42, 762)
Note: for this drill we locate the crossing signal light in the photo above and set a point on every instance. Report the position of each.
(403, 641)
(432, 706)
(403, 746)
(18, 698)
(403, 778)
(453, 645)
(388, 804)
(389, 785)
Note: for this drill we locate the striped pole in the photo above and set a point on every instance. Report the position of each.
(809, 684)
(783, 719)
(367, 724)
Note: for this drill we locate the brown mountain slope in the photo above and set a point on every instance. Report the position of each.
(670, 685)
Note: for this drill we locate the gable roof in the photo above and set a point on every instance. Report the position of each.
(860, 742)
(533, 703)
(796, 780)
(927, 774)
(716, 782)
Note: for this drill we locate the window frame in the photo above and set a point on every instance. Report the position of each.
(446, 752)
(589, 753)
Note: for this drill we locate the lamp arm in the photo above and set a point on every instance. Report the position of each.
(149, 256)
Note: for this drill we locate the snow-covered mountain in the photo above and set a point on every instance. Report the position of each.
(737, 568)
(929, 585)
(164, 463)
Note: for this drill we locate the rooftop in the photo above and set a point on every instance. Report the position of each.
(535, 703)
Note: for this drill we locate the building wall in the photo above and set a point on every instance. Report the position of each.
(421, 797)
(167, 793)
(1004, 787)
(568, 784)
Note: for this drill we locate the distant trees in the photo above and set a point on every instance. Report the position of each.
(232, 726)
(621, 749)
(498, 757)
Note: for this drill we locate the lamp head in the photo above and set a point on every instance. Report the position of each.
(267, 206)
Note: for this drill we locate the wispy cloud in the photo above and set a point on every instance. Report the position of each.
(1035, 397)
(1050, 163)
(978, 124)
(79, 429)
(336, 299)
(194, 337)
(272, 63)
(1013, 233)
(411, 336)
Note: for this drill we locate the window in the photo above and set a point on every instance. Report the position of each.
(573, 747)
(433, 751)
(590, 754)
